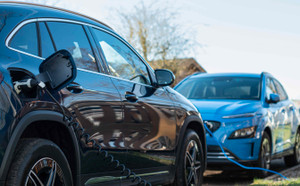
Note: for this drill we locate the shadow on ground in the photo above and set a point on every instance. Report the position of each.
(237, 176)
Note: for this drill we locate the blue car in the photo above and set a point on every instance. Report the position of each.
(250, 114)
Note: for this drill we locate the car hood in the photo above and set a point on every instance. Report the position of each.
(226, 107)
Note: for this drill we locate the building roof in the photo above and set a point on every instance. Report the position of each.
(189, 61)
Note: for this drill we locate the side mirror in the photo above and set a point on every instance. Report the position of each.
(164, 77)
(58, 70)
(274, 98)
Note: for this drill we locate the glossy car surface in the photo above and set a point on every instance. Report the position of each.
(240, 109)
(117, 102)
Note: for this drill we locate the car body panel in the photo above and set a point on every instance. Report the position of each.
(235, 114)
(149, 125)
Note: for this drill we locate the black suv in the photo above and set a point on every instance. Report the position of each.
(119, 100)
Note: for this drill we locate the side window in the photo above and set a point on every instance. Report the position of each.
(46, 42)
(72, 37)
(280, 90)
(121, 60)
(26, 39)
(270, 88)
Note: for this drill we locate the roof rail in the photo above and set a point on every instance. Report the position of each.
(56, 8)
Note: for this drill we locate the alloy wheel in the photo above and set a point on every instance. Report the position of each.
(266, 153)
(297, 147)
(45, 172)
(192, 164)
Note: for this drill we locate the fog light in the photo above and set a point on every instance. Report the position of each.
(243, 133)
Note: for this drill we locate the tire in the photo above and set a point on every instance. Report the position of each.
(39, 160)
(294, 159)
(264, 159)
(191, 161)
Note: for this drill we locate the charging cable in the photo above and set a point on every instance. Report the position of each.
(237, 163)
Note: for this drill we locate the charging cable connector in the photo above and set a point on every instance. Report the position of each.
(24, 84)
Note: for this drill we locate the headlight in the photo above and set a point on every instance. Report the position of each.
(212, 125)
(243, 133)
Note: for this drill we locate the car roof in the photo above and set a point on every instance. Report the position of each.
(253, 75)
(31, 10)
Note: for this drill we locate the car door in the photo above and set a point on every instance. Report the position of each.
(276, 116)
(287, 109)
(92, 98)
(149, 119)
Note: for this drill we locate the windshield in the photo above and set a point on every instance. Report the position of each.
(221, 88)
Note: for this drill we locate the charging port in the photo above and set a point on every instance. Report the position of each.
(18, 75)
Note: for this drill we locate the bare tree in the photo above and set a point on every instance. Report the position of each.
(151, 29)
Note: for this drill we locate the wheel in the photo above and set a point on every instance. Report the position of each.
(264, 159)
(191, 161)
(294, 159)
(39, 162)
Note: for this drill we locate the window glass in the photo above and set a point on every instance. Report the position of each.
(221, 88)
(26, 39)
(46, 42)
(280, 90)
(72, 37)
(121, 60)
(270, 88)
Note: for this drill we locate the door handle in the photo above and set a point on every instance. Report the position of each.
(74, 88)
(131, 97)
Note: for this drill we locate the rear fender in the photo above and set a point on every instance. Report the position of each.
(29, 118)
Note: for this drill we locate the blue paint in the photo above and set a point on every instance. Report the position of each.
(240, 165)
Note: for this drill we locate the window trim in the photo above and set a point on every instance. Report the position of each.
(13, 32)
(99, 51)
(90, 38)
(50, 34)
(44, 20)
(111, 76)
(41, 19)
(39, 38)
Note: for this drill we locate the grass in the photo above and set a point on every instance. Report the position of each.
(291, 182)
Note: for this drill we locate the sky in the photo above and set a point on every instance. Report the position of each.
(235, 35)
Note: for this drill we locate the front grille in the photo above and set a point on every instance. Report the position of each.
(218, 155)
(215, 152)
